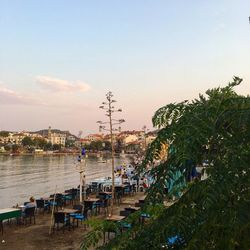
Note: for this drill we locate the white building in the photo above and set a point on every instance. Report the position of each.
(56, 138)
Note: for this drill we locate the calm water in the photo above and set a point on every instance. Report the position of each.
(25, 176)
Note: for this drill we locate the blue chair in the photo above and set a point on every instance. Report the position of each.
(68, 197)
(125, 225)
(41, 204)
(60, 218)
(127, 190)
(80, 215)
(143, 217)
(174, 240)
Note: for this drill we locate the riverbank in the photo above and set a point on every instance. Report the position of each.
(31, 237)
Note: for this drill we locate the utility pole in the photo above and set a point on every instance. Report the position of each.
(110, 109)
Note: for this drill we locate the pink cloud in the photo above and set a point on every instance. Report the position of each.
(55, 84)
(9, 96)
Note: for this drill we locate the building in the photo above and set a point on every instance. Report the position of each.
(94, 137)
(56, 138)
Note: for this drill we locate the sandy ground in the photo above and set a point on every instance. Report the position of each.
(29, 237)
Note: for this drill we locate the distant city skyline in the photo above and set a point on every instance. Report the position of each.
(58, 59)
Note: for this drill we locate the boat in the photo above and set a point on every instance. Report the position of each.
(101, 160)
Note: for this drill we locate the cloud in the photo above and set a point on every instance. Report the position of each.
(9, 96)
(55, 84)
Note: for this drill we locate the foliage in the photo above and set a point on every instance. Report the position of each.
(7, 147)
(70, 143)
(4, 133)
(40, 142)
(48, 146)
(27, 141)
(56, 146)
(211, 213)
(119, 146)
(98, 146)
(15, 148)
(107, 145)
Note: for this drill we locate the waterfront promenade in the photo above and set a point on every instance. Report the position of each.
(21, 237)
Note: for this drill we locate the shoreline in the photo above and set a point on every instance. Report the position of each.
(97, 154)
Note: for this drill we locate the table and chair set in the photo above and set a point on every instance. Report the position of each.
(119, 221)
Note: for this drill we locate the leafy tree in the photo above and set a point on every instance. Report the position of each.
(4, 133)
(7, 147)
(40, 142)
(119, 146)
(69, 143)
(48, 146)
(15, 148)
(211, 213)
(56, 146)
(27, 141)
(107, 145)
(96, 145)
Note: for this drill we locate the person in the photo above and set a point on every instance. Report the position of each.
(31, 203)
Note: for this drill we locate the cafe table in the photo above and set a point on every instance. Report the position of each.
(9, 213)
(132, 209)
(89, 204)
(142, 199)
(112, 218)
(68, 211)
(115, 218)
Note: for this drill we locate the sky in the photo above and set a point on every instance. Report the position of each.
(59, 58)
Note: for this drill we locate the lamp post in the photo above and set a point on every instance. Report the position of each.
(80, 167)
(110, 109)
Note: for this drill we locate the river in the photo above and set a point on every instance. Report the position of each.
(36, 175)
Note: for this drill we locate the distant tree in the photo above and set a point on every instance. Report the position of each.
(27, 141)
(56, 147)
(119, 146)
(107, 145)
(48, 146)
(69, 143)
(7, 147)
(40, 142)
(4, 133)
(96, 145)
(15, 148)
(86, 146)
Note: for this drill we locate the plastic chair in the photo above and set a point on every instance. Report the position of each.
(40, 204)
(125, 213)
(60, 218)
(81, 215)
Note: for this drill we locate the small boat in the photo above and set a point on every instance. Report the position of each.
(101, 160)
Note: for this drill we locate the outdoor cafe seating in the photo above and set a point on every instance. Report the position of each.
(28, 214)
(61, 218)
(42, 205)
(91, 205)
(80, 215)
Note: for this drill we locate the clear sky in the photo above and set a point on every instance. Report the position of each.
(59, 58)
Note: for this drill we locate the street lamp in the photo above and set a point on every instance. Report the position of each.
(80, 167)
(109, 110)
